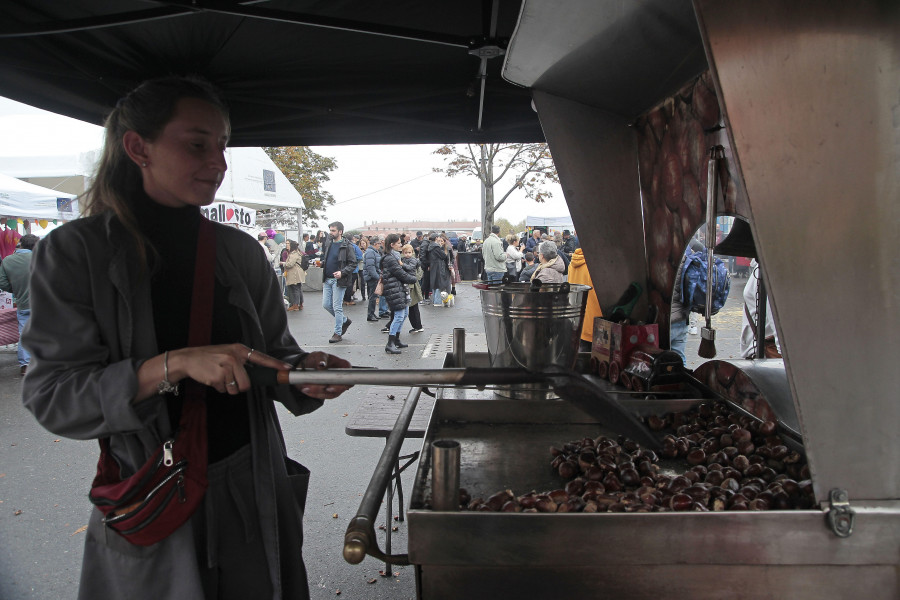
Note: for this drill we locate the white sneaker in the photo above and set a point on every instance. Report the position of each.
(693, 330)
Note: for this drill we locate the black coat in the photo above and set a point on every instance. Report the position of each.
(347, 261)
(440, 269)
(423, 252)
(395, 280)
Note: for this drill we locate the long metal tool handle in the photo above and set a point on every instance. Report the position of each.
(399, 377)
(360, 538)
(711, 184)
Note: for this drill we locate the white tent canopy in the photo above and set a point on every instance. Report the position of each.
(21, 199)
(552, 223)
(253, 180)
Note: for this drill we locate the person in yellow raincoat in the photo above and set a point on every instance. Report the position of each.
(578, 273)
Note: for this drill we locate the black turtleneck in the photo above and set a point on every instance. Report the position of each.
(173, 234)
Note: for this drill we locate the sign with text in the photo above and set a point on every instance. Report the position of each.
(6, 301)
(228, 212)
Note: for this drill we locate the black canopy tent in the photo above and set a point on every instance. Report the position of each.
(314, 72)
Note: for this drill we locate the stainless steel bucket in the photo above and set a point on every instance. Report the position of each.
(533, 330)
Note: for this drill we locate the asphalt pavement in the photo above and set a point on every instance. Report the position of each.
(44, 479)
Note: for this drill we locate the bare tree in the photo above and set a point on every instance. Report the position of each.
(530, 166)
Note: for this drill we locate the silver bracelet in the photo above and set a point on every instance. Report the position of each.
(165, 386)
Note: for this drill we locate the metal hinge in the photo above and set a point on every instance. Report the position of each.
(840, 516)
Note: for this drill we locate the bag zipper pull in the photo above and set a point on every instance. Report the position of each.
(168, 457)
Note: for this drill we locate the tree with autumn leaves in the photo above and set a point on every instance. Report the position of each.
(530, 166)
(307, 171)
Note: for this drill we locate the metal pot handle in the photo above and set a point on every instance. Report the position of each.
(360, 538)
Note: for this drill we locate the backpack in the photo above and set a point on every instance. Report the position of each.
(694, 286)
(304, 262)
(565, 260)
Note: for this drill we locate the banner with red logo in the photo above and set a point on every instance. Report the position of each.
(228, 212)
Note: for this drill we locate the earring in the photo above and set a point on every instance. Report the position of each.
(143, 164)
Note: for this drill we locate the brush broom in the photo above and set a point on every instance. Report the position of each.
(708, 334)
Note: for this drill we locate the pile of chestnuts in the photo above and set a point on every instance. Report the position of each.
(735, 463)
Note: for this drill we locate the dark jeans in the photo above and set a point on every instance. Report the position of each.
(361, 284)
(373, 299)
(295, 294)
(348, 295)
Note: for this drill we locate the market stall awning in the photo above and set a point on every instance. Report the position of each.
(21, 199)
(294, 73)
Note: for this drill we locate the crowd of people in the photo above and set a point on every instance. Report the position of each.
(397, 273)
(533, 256)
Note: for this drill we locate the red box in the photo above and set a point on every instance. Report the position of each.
(614, 342)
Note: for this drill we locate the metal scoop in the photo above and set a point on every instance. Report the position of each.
(579, 389)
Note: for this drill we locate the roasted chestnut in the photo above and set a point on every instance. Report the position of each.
(545, 504)
(575, 487)
(568, 470)
(696, 457)
(558, 496)
(741, 435)
(680, 502)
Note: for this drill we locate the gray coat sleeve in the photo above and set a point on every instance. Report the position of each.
(75, 386)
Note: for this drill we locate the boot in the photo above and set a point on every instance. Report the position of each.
(399, 343)
(391, 347)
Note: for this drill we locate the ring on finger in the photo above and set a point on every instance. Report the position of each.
(249, 353)
(232, 382)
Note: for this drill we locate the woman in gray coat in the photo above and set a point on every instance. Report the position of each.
(110, 354)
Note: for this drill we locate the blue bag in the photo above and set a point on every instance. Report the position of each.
(694, 286)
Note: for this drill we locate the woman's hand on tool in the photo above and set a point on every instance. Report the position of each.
(220, 367)
(321, 361)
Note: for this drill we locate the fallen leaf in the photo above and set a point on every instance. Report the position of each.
(396, 573)
(381, 527)
(57, 440)
(17, 512)
(395, 529)
(79, 530)
(337, 593)
(345, 414)
(373, 580)
(390, 396)
(334, 516)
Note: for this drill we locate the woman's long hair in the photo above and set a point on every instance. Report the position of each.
(145, 110)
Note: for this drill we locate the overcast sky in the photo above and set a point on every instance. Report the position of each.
(371, 183)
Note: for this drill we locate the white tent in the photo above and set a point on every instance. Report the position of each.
(552, 223)
(254, 181)
(21, 199)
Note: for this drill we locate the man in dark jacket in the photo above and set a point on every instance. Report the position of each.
(416, 242)
(338, 262)
(534, 241)
(570, 244)
(372, 273)
(530, 266)
(14, 277)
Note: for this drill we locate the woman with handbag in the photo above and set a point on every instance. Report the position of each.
(439, 255)
(294, 277)
(396, 281)
(148, 348)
